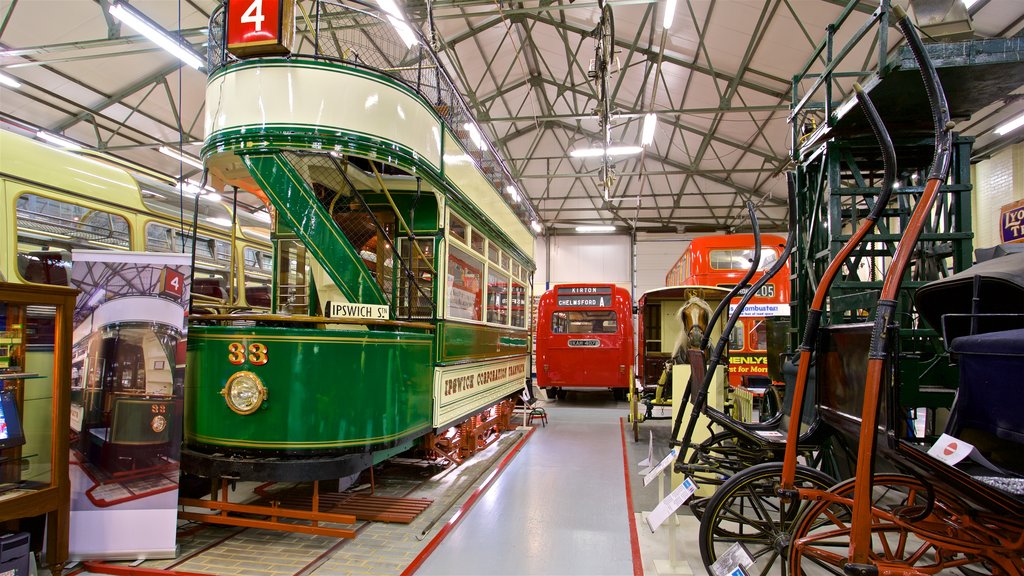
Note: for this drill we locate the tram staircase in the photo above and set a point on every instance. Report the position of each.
(839, 172)
(310, 192)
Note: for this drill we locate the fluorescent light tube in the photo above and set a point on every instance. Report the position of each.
(969, 3)
(1011, 125)
(670, 14)
(593, 229)
(8, 81)
(143, 25)
(391, 8)
(612, 151)
(513, 193)
(190, 160)
(62, 142)
(475, 136)
(536, 226)
(647, 134)
(404, 31)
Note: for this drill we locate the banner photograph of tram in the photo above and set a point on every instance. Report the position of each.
(398, 252)
(124, 410)
(585, 339)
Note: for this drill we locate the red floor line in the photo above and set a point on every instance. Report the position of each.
(117, 569)
(454, 520)
(634, 541)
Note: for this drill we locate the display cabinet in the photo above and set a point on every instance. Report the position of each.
(35, 376)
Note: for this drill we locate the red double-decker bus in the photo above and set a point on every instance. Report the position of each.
(722, 261)
(585, 338)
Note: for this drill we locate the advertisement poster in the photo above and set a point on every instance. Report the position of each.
(127, 381)
(1011, 220)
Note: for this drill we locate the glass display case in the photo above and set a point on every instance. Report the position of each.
(35, 381)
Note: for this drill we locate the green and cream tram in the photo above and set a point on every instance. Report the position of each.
(396, 242)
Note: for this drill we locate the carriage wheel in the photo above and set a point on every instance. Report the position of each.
(821, 538)
(719, 457)
(747, 509)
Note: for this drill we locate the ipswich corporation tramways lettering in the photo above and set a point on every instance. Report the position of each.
(458, 384)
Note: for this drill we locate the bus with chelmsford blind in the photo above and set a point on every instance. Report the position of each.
(585, 339)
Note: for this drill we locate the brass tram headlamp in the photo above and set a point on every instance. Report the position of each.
(244, 392)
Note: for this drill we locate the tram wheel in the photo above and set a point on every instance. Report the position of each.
(821, 537)
(746, 508)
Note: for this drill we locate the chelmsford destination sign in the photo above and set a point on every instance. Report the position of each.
(585, 296)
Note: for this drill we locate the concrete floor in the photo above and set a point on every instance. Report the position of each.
(558, 508)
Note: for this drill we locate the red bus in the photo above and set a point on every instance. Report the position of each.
(722, 261)
(585, 338)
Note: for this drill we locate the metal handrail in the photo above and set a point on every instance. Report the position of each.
(824, 78)
(361, 36)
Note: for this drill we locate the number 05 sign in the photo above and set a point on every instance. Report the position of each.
(259, 27)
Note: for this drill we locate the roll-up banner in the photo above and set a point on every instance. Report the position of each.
(127, 382)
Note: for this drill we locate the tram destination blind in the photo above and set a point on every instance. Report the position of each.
(585, 296)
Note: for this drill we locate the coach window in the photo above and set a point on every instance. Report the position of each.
(49, 229)
(740, 258)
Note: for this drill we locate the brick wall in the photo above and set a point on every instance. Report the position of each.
(997, 181)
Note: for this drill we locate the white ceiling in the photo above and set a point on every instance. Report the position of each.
(722, 93)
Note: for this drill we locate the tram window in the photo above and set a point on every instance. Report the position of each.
(497, 297)
(736, 337)
(293, 291)
(504, 260)
(493, 253)
(419, 295)
(517, 303)
(464, 285)
(584, 322)
(740, 258)
(478, 243)
(457, 229)
(72, 225)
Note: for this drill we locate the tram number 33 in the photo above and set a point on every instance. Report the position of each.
(258, 353)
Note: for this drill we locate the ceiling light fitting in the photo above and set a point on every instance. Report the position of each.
(536, 226)
(594, 229)
(670, 14)
(397, 20)
(182, 157)
(610, 151)
(155, 33)
(1011, 125)
(513, 193)
(53, 139)
(9, 81)
(647, 134)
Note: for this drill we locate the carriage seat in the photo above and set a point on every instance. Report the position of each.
(989, 407)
